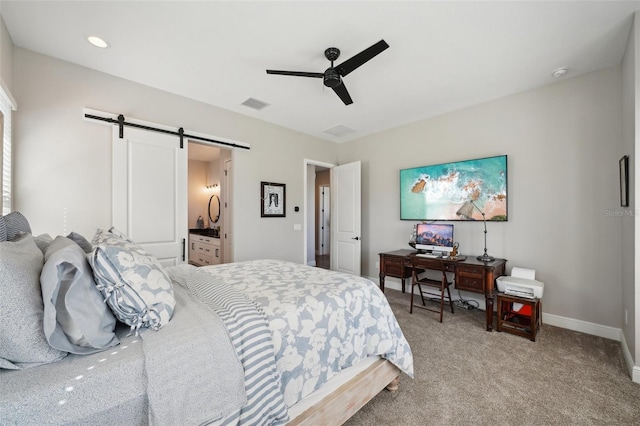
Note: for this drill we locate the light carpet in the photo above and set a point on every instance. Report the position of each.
(466, 375)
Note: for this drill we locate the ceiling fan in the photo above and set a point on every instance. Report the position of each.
(333, 75)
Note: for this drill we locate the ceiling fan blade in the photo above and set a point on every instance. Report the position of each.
(341, 91)
(297, 73)
(355, 61)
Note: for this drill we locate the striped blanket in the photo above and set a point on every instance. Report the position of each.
(249, 333)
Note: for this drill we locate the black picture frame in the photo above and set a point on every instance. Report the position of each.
(624, 181)
(273, 198)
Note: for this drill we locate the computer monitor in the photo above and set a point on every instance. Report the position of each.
(432, 237)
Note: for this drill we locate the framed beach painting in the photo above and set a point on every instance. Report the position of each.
(459, 190)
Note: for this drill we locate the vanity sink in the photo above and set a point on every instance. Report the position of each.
(208, 232)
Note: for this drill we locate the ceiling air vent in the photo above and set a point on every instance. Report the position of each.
(340, 130)
(255, 104)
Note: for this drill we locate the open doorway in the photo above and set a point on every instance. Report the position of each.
(318, 214)
(207, 196)
(323, 220)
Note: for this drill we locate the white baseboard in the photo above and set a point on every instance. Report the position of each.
(634, 370)
(582, 326)
(557, 321)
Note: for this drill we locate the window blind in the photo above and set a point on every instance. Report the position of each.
(5, 115)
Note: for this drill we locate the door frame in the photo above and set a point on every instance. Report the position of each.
(306, 195)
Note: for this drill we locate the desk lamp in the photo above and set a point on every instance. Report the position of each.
(465, 211)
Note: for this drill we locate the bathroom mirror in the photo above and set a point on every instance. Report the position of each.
(214, 209)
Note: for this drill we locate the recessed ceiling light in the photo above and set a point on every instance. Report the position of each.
(98, 42)
(559, 72)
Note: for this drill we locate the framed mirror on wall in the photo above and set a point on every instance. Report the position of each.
(214, 209)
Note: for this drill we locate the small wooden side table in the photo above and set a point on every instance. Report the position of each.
(525, 322)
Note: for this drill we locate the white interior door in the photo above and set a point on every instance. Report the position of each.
(345, 218)
(150, 192)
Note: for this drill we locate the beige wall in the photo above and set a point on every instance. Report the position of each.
(6, 56)
(563, 143)
(62, 178)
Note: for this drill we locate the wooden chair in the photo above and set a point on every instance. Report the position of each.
(435, 288)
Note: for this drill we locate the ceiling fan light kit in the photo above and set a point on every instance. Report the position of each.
(332, 76)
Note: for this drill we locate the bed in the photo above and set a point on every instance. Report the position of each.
(257, 342)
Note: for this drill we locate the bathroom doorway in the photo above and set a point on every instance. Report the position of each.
(206, 197)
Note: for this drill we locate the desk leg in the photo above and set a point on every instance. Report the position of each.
(403, 284)
(382, 281)
(489, 298)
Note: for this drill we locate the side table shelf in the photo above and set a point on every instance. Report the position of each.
(525, 321)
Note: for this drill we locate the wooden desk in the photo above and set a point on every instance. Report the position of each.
(471, 274)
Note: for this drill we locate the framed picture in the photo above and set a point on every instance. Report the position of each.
(624, 181)
(460, 190)
(272, 199)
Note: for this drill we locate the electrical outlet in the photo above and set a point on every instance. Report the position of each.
(378, 265)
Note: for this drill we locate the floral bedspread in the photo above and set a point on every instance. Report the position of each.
(321, 321)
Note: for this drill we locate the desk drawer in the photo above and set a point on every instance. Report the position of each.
(392, 260)
(470, 278)
(394, 270)
(469, 283)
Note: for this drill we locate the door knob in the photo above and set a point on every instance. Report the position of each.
(355, 238)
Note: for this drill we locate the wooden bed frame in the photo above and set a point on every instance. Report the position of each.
(337, 407)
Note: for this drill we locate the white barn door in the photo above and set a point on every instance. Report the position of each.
(345, 218)
(149, 192)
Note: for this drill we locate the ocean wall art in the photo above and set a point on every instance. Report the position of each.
(460, 190)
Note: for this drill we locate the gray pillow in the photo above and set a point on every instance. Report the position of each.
(22, 340)
(43, 241)
(76, 319)
(15, 224)
(135, 285)
(81, 241)
(3, 229)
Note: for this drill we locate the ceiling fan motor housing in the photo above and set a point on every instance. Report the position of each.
(332, 78)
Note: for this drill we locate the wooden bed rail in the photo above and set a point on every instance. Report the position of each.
(337, 407)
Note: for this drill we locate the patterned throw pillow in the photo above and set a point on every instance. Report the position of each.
(13, 225)
(135, 285)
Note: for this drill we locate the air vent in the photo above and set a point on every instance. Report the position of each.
(255, 104)
(340, 130)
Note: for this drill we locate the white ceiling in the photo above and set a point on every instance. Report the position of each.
(443, 55)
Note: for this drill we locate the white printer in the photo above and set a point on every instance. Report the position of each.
(521, 283)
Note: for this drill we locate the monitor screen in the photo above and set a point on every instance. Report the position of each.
(434, 237)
